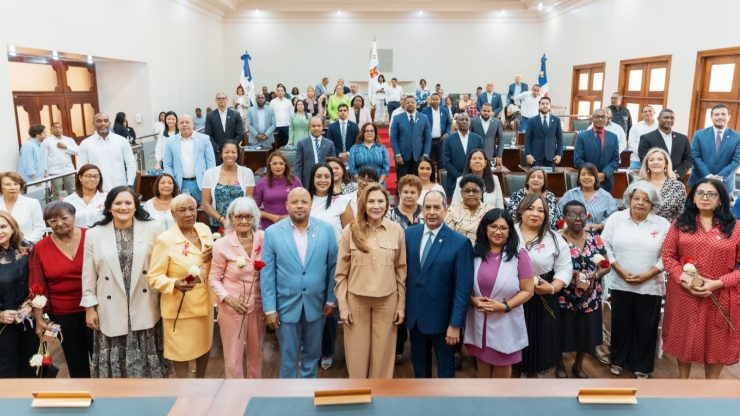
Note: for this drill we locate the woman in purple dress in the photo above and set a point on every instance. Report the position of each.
(495, 332)
(271, 192)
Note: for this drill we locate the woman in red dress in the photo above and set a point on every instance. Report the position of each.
(695, 328)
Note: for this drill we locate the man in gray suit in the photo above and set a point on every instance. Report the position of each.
(311, 150)
(492, 132)
(261, 123)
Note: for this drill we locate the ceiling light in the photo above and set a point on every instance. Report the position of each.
(90, 59)
(421, 12)
(339, 12)
(503, 12)
(55, 55)
(11, 50)
(539, 6)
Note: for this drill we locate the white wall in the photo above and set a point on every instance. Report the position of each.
(460, 56)
(612, 30)
(172, 55)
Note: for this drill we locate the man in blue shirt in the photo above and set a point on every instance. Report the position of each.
(199, 120)
(32, 163)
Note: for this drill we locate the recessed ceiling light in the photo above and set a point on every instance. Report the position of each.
(421, 12)
(539, 6)
(339, 12)
(55, 55)
(503, 12)
(90, 59)
(11, 50)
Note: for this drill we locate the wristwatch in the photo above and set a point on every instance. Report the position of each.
(508, 308)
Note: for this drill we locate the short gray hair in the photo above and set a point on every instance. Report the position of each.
(180, 201)
(242, 205)
(432, 192)
(644, 186)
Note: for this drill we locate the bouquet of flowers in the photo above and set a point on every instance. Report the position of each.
(692, 279)
(43, 363)
(24, 313)
(193, 276)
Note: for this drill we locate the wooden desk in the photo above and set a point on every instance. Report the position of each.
(255, 159)
(624, 159)
(620, 182)
(567, 160)
(144, 184)
(512, 158)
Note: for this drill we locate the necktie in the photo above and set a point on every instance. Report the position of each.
(718, 141)
(546, 123)
(344, 130)
(411, 122)
(427, 247)
(317, 146)
(600, 134)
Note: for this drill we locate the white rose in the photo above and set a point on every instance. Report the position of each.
(216, 236)
(39, 301)
(689, 268)
(598, 258)
(241, 261)
(36, 360)
(194, 271)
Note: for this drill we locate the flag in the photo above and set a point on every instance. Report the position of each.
(542, 78)
(373, 72)
(245, 78)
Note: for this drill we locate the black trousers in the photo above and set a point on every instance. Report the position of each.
(78, 343)
(421, 354)
(409, 167)
(283, 133)
(392, 106)
(16, 348)
(635, 320)
(402, 335)
(437, 153)
(329, 335)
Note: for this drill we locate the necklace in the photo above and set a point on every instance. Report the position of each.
(251, 236)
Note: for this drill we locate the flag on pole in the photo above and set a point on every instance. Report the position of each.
(245, 79)
(373, 73)
(542, 78)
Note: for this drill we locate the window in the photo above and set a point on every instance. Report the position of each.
(587, 90)
(642, 82)
(716, 81)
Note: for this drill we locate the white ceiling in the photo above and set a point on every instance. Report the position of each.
(385, 10)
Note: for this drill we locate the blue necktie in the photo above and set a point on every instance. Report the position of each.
(411, 122)
(718, 141)
(427, 247)
(317, 146)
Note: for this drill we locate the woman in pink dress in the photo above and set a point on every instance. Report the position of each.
(234, 278)
(495, 332)
(701, 315)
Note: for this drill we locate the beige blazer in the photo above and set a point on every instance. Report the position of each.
(102, 280)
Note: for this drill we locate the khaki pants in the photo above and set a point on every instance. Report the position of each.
(370, 342)
(67, 182)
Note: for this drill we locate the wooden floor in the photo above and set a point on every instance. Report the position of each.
(664, 367)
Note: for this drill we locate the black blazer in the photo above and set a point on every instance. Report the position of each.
(543, 143)
(680, 149)
(334, 133)
(234, 128)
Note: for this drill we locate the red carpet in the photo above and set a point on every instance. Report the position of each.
(390, 181)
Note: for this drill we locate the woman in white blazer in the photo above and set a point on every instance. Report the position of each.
(26, 211)
(119, 303)
(495, 332)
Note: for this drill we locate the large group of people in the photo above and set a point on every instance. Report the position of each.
(317, 241)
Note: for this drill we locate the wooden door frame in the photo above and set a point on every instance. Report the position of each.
(623, 80)
(574, 84)
(695, 115)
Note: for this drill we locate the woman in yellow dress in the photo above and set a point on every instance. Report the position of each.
(181, 257)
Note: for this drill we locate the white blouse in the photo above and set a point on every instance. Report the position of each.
(243, 174)
(164, 217)
(494, 199)
(436, 187)
(549, 255)
(637, 248)
(27, 213)
(86, 215)
(333, 214)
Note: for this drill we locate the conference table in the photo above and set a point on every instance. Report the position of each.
(408, 397)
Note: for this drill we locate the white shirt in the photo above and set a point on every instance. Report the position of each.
(549, 255)
(637, 248)
(721, 133)
(223, 115)
(113, 156)
(59, 160)
(301, 240)
(485, 123)
(618, 131)
(27, 213)
(528, 104)
(86, 215)
(436, 187)
(333, 214)
(464, 141)
(633, 143)
(187, 156)
(164, 217)
(667, 139)
(425, 239)
(282, 109)
(393, 93)
(244, 175)
(494, 199)
(395, 112)
(436, 123)
(379, 95)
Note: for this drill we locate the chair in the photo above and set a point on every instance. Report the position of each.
(557, 183)
(514, 182)
(571, 179)
(509, 138)
(290, 155)
(620, 182)
(580, 124)
(569, 138)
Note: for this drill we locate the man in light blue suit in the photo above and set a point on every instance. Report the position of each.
(187, 156)
(490, 97)
(261, 123)
(716, 150)
(457, 148)
(411, 138)
(599, 147)
(439, 283)
(298, 285)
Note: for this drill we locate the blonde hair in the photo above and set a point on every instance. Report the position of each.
(644, 174)
(16, 240)
(360, 227)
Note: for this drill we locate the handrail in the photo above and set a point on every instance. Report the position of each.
(49, 178)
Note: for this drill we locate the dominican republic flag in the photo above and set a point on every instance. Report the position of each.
(245, 78)
(374, 71)
(542, 78)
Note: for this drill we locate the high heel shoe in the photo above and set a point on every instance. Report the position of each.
(578, 373)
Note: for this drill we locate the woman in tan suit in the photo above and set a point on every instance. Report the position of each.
(181, 259)
(114, 285)
(371, 286)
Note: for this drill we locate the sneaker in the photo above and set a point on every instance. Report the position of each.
(641, 376)
(616, 370)
(327, 362)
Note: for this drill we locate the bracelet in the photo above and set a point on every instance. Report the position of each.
(508, 308)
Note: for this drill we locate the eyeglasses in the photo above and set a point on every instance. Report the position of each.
(220, 98)
(707, 195)
(54, 221)
(243, 218)
(471, 191)
(497, 229)
(91, 176)
(573, 215)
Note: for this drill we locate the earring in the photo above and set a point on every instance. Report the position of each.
(648, 171)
